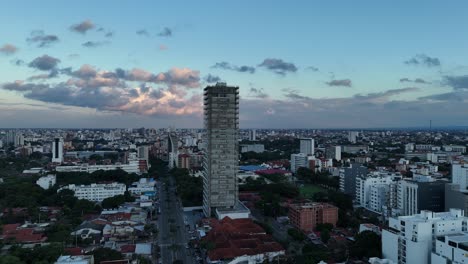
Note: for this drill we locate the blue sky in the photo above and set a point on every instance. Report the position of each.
(298, 64)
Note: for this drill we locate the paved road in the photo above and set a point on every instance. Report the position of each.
(173, 236)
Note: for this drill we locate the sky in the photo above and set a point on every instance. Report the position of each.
(298, 64)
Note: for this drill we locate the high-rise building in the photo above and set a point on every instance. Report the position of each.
(19, 140)
(253, 135)
(333, 152)
(299, 160)
(221, 109)
(10, 137)
(352, 136)
(348, 176)
(172, 149)
(57, 150)
(307, 146)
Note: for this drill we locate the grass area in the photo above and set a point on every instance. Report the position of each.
(308, 190)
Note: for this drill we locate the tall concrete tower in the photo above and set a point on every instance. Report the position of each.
(221, 107)
(57, 150)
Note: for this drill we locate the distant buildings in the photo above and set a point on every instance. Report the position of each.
(307, 146)
(131, 167)
(257, 148)
(46, 182)
(411, 239)
(306, 216)
(96, 192)
(57, 150)
(221, 110)
(142, 186)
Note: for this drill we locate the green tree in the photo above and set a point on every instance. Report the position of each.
(296, 234)
(102, 254)
(367, 244)
(325, 236)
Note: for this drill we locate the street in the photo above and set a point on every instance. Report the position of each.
(173, 237)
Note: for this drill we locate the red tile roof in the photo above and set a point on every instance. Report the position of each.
(21, 235)
(75, 251)
(237, 237)
(127, 249)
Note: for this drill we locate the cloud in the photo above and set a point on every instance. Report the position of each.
(41, 39)
(166, 32)
(8, 49)
(109, 34)
(227, 66)
(212, 79)
(257, 93)
(456, 82)
(163, 47)
(17, 62)
(86, 71)
(94, 44)
(342, 82)
(83, 27)
(312, 68)
(20, 86)
(44, 63)
(142, 32)
(423, 60)
(184, 77)
(456, 96)
(417, 80)
(278, 66)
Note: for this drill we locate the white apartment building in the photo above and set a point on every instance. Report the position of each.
(142, 186)
(131, 167)
(450, 249)
(373, 190)
(96, 192)
(47, 182)
(257, 148)
(461, 149)
(307, 146)
(298, 160)
(411, 239)
(460, 175)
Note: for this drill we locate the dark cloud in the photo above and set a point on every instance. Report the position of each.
(227, 66)
(166, 32)
(278, 66)
(17, 62)
(109, 34)
(8, 49)
(41, 39)
(82, 27)
(342, 82)
(312, 68)
(212, 79)
(417, 80)
(44, 63)
(456, 82)
(257, 92)
(423, 60)
(94, 44)
(142, 32)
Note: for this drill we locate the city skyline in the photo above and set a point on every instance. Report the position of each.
(298, 65)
